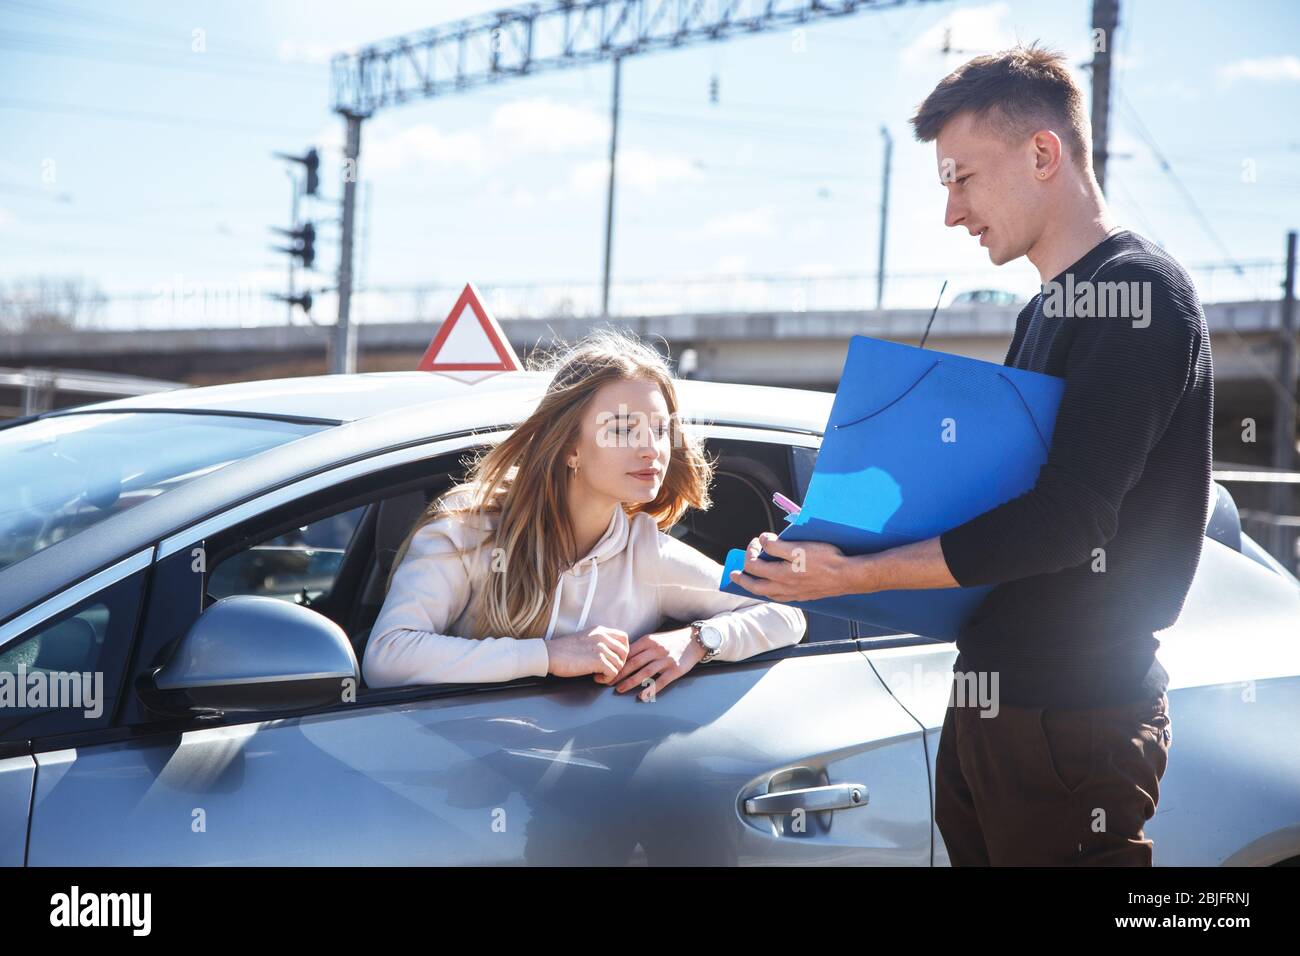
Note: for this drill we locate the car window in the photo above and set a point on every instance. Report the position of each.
(300, 565)
(802, 462)
(63, 676)
(62, 474)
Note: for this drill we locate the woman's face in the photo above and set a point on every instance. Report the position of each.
(626, 442)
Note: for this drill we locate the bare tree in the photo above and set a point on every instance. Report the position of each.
(50, 304)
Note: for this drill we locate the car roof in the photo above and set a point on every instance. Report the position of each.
(374, 412)
(347, 398)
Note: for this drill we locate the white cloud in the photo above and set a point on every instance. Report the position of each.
(638, 169)
(539, 124)
(974, 31)
(730, 265)
(971, 31)
(305, 51)
(646, 170)
(755, 223)
(511, 192)
(806, 230)
(519, 128)
(1269, 69)
(6, 217)
(421, 146)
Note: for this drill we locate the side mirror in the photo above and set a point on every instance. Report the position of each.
(249, 654)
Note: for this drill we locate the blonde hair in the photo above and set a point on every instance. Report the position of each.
(523, 480)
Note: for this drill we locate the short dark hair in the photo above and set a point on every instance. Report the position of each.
(1018, 91)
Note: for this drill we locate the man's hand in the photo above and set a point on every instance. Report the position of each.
(808, 570)
(656, 660)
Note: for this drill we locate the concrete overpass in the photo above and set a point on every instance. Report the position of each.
(803, 349)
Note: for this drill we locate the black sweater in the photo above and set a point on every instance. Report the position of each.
(1127, 483)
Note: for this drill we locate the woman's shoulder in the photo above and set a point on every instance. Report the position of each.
(667, 549)
(454, 527)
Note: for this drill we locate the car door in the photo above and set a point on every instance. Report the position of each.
(61, 674)
(798, 756)
(17, 777)
(548, 773)
(918, 672)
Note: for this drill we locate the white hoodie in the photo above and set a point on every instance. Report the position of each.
(634, 577)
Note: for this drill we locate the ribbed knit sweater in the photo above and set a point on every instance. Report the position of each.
(1100, 552)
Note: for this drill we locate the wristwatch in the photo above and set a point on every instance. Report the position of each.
(708, 637)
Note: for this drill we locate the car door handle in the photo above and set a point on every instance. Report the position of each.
(839, 796)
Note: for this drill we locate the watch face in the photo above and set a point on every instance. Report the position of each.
(710, 637)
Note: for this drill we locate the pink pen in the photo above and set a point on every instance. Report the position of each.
(785, 504)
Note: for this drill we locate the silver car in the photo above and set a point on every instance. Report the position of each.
(212, 559)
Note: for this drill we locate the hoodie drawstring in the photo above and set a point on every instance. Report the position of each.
(591, 593)
(586, 607)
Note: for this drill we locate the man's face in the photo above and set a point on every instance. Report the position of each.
(992, 184)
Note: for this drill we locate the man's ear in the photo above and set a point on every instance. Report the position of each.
(1047, 150)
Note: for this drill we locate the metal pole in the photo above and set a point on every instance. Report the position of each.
(884, 218)
(1105, 17)
(1284, 422)
(609, 199)
(343, 357)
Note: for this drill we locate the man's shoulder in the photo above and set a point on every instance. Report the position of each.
(1155, 282)
(1135, 258)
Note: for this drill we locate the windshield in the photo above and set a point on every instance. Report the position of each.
(63, 474)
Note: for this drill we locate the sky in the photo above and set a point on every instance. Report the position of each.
(138, 142)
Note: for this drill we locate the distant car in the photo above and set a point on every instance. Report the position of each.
(218, 555)
(976, 297)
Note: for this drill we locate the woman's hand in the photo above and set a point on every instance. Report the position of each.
(600, 651)
(656, 660)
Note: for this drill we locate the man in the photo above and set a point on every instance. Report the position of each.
(1100, 553)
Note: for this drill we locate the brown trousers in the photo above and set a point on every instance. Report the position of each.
(1036, 786)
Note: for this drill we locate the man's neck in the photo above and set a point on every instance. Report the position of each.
(1084, 221)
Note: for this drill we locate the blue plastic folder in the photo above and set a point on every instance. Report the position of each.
(918, 442)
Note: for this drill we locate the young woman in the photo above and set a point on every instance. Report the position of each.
(552, 556)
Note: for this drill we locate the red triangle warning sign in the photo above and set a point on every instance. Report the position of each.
(470, 346)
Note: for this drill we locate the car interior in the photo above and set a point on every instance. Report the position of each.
(352, 590)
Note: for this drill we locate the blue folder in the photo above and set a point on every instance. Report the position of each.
(918, 442)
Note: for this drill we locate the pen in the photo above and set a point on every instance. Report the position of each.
(785, 504)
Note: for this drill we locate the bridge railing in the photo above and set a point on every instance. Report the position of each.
(182, 302)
